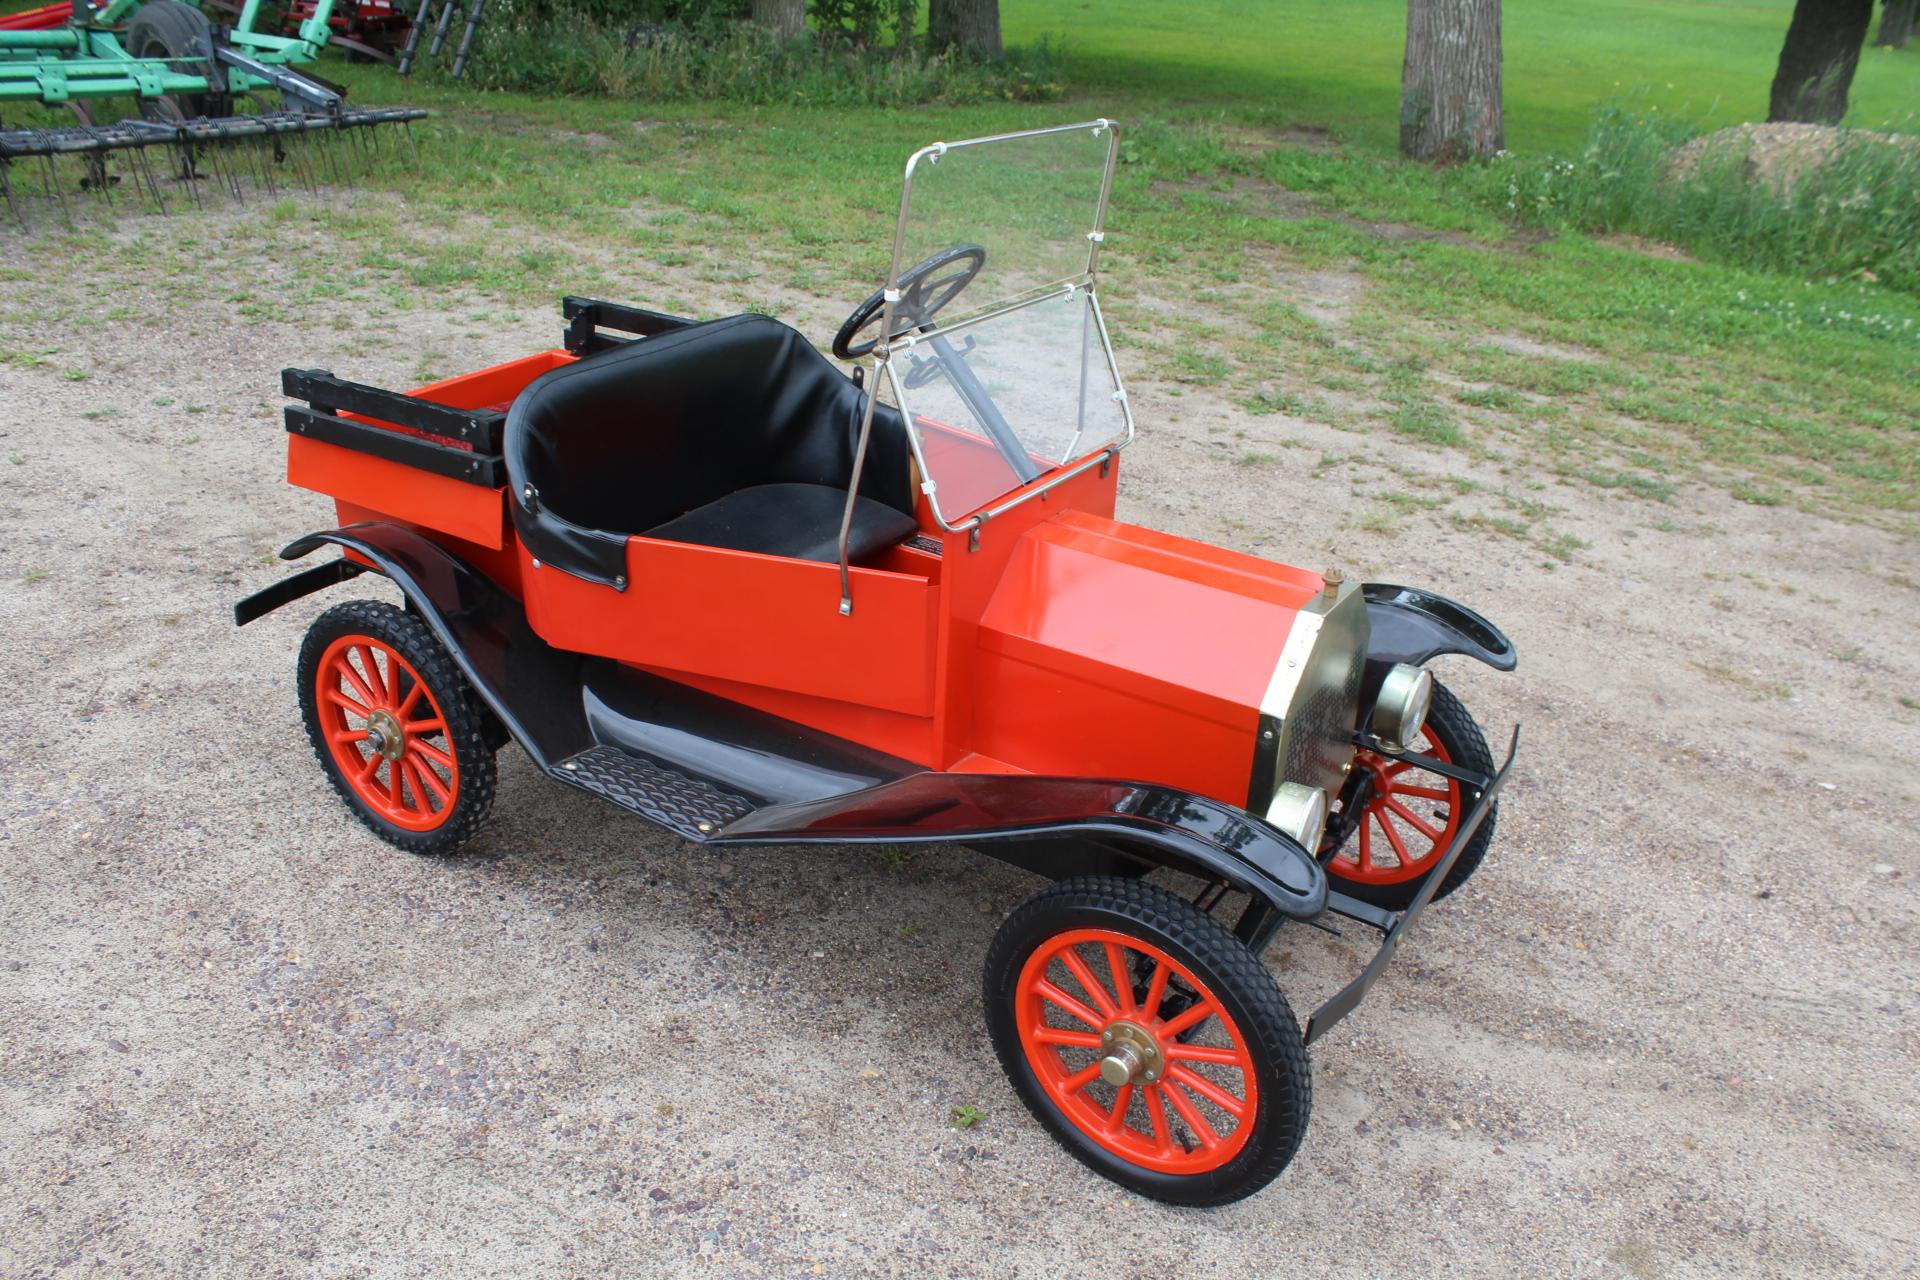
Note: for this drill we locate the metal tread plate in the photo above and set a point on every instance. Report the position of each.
(689, 806)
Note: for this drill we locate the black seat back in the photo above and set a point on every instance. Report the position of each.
(629, 438)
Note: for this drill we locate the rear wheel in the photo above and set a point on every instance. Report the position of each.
(396, 727)
(1148, 1040)
(1413, 813)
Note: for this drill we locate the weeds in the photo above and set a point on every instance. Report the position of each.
(1851, 210)
(571, 53)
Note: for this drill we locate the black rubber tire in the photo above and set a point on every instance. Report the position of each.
(1457, 731)
(1222, 962)
(466, 736)
(182, 35)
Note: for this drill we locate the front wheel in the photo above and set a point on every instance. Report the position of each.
(1148, 1040)
(1412, 814)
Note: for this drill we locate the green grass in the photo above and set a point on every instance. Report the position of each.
(1336, 63)
(1784, 388)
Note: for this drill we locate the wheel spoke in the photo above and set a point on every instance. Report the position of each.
(1393, 838)
(1205, 1053)
(1366, 841)
(1414, 820)
(1235, 1107)
(1121, 975)
(431, 752)
(382, 691)
(421, 728)
(1196, 1122)
(1425, 793)
(1117, 1118)
(348, 735)
(1070, 1039)
(1082, 1078)
(412, 699)
(1068, 1004)
(416, 793)
(342, 701)
(393, 786)
(1156, 988)
(1157, 1116)
(1088, 983)
(368, 770)
(431, 779)
(1398, 767)
(1192, 1017)
(354, 682)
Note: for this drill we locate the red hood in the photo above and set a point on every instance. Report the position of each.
(1119, 651)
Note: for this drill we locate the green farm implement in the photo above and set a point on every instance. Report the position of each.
(201, 90)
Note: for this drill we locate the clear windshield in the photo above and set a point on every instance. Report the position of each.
(1013, 378)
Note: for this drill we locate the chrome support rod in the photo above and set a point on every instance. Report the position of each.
(880, 354)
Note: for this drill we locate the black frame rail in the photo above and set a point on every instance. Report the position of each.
(444, 428)
(585, 318)
(1348, 998)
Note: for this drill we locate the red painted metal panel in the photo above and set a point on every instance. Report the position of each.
(399, 492)
(394, 491)
(756, 619)
(1116, 651)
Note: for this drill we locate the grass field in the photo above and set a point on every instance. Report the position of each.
(1250, 163)
(1336, 63)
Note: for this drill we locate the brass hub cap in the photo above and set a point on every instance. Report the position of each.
(385, 735)
(1130, 1053)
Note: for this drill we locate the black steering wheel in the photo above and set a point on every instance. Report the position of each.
(924, 289)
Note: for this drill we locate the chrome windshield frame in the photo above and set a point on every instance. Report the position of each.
(882, 363)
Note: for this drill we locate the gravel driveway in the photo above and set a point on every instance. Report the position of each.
(1669, 1030)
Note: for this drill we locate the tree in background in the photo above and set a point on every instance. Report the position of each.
(786, 19)
(970, 25)
(1818, 60)
(1450, 104)
(1897, 20)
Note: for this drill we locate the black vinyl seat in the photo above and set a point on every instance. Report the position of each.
(800, 521)
(732, 433)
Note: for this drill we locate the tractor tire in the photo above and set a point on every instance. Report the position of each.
(181, 35)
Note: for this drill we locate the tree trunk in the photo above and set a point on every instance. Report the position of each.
(1897, 19)
(972, 25)
(905, 13)
(1818, 60)
(785, 19)
(1450, 105)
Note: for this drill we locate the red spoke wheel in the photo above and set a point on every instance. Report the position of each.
(396, 726)
(1412, 813)
(1147, 1038)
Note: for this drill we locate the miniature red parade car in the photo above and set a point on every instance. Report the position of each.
(702, 573)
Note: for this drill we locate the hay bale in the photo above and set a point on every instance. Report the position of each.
(1778, 155)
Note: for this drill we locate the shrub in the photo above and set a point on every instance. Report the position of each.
(1843, 203)
(554, 50)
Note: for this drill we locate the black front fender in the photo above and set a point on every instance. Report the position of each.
(1002, 815)
(1414, 626)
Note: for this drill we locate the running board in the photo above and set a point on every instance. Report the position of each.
(688, 806)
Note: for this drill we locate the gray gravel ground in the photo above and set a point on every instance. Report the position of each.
(1669, 1030)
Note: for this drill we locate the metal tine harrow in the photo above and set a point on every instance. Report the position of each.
(316, 150)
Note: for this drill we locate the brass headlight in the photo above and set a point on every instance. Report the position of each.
(1401, 710)
(1301, 812)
